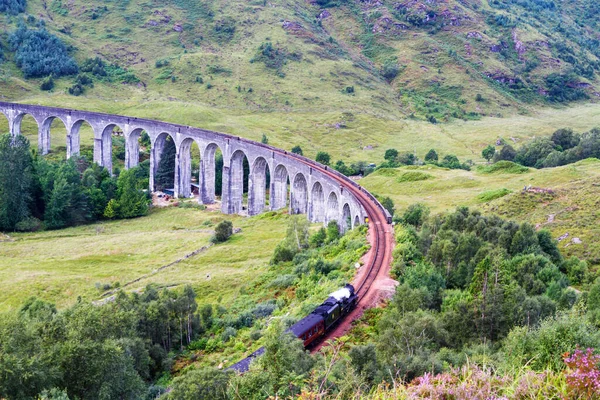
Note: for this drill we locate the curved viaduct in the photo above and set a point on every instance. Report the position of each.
(321, 193)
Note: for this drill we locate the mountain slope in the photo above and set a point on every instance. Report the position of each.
(437, 59)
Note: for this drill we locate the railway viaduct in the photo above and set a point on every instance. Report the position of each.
(300, 184)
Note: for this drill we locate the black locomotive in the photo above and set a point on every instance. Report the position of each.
(316, 324)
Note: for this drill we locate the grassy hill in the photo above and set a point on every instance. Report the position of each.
(442, 59)
(563, 199)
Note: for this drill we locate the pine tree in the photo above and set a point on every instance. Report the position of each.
(165, 175)
(132, 201)
(15, 180)
(111, 209)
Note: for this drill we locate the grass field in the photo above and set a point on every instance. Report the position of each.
(574, 203)
(60, 265)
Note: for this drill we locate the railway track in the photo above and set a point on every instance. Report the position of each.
(378, 258)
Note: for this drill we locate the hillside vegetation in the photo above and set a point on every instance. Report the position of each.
(436, 60)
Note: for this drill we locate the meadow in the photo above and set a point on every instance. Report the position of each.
(85, 261)
(562, 199)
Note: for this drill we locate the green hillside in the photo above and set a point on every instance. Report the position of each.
(441, 59)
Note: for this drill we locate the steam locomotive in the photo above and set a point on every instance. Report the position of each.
(316, 324)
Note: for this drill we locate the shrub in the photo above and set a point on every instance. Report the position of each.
(431, 156)
(47, 84)
(228, 333)
(223, 231)
(297, 150)
(390, 69)
(283, 281)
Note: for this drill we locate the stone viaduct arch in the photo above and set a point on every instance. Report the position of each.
(295, 182)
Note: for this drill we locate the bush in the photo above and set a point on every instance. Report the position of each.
(415, 214)
(283, 281)
(390, 69)
(47, 84)
(39, 53)
(228, 333)
(223, 231)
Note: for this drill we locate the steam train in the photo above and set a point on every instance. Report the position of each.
(316, 324)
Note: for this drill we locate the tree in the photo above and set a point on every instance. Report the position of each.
(388, 204)
(265, 139)
(165, 175)
(415, 214)
(66, 204)
(565, 138)
(15, 180)
(112, 209)
(488, 152)
(431, 156)
(132, 202)
(333, 231)
(223, 231)
(391, 155)
(297, 150)
(323, 158)
(507, 153)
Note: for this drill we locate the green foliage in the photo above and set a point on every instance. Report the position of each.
(47, 84)
(388, 204)
(16, 181)
(201, 384)
(503, 167)
(124, 342)
(297, 150)
(264, 139)
(280, 372)
(165, 175)
(64, 197)
(488, 152)
(274, 57)
(415, 214)
(431, 156)
(323, 157)
(12, 7)
(39, 53)
(223, 231)
(544, 346)
(131, 200)
(224, 29)
(561, 88)
(390, 69)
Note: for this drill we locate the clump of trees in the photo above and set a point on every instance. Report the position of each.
(563, 147)
(36, 193)
(40, 54)
(13, 7)
(393, 159)
(126, 342)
